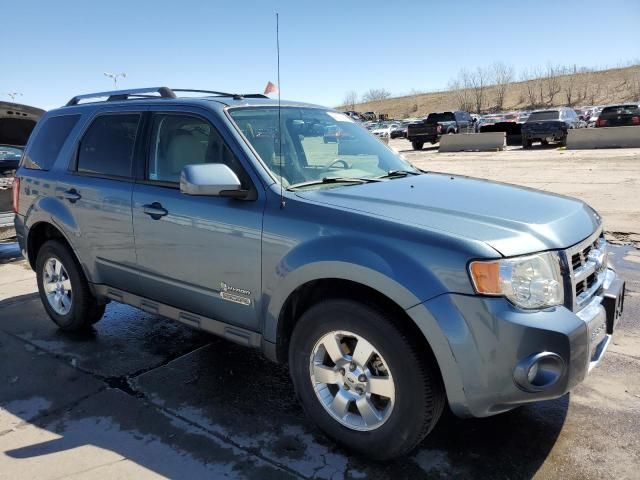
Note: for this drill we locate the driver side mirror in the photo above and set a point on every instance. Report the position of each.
(211, 179)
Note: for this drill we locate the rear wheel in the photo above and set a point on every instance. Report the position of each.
(417, 145)
(526, 142)
(362, 380)
(63, 288)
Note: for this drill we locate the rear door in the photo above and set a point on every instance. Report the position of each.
(201, 254)
(97, 190)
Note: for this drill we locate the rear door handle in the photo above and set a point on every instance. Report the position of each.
(72, 195)
(155, 210)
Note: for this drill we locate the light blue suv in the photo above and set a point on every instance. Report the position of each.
(389, 291)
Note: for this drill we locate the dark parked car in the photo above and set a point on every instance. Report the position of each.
(400, 131)
(546, 126)
(619, 116)
(16, 123)
(436, 124)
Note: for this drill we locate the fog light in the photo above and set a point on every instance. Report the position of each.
(539, 371)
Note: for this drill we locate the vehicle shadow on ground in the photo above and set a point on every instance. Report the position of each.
(432, 148)
(222, 406)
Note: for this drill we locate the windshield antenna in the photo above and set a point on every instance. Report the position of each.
(282, 202)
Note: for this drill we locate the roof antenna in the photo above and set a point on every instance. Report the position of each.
(282, 201)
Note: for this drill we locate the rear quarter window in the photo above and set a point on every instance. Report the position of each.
(48, 141)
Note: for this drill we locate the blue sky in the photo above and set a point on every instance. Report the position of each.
(54, 50)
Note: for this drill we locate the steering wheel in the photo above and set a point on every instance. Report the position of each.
(337, 161)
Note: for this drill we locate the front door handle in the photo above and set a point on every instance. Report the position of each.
(72, 195)
(155, 210)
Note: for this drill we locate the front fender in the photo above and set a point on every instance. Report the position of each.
(388, 270)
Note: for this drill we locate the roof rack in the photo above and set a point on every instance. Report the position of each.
(124, 94)
(165, 92)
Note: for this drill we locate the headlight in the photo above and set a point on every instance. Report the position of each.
(530, 282)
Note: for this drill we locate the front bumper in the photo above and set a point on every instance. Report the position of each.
(485, 341)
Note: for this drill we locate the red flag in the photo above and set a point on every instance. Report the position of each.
(270, 88)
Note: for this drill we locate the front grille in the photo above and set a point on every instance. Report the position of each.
(587, 265)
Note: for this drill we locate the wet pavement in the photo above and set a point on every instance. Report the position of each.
(140, 396)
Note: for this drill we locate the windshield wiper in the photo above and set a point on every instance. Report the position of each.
(329, 180)
(398, 173)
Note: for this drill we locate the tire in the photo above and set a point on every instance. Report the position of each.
(83, 308)
(563, 140)
(417, 145)
(416, 387)
(544, 142)
(526, 143)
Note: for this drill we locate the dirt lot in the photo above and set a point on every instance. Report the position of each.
(608, 180)
(142, 397)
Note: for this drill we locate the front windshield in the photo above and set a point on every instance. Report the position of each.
(316, 144)
(10, 153)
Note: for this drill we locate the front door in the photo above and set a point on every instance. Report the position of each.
(196, 253)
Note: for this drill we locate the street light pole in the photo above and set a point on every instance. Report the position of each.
(13, 95)
(114, 77)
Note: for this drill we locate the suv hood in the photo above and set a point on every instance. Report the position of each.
(512, 220)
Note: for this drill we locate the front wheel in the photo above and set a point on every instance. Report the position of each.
(417, 145)
(363, 380)
(63, 288)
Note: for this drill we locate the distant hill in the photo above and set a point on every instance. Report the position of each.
(585, 88)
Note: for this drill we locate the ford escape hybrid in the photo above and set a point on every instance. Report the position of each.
(389, 291)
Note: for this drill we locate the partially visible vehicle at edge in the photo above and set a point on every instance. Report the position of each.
(353, 114)
(400, 131)
(551, 125)
(383, 131)
(388, 291)
(592, 117)
(487, 120)
(369, 116)
(436, 124)
(16, 123)
(619, 116)
(510, 123)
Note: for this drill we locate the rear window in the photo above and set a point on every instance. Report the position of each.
(608, 112)
(441, 117)
(107, 146)
(48, 142)
(546, 115)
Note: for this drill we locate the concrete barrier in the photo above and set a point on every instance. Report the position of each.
(460, 142)
(612, 137)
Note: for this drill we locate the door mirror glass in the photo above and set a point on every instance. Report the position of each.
(210, 179)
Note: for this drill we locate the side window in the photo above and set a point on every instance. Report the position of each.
(48, 142)
(179, 140)
(107, 146)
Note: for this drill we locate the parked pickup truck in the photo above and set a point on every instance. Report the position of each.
(436, 124)
(546, 126)
(390, 292)
(16, 123)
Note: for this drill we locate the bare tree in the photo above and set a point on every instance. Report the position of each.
(461, 88)
(530, 87)
(569, 89)
(552, 82)
(502, 76)
(479, 80)
(375, 94)
(350, 100)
